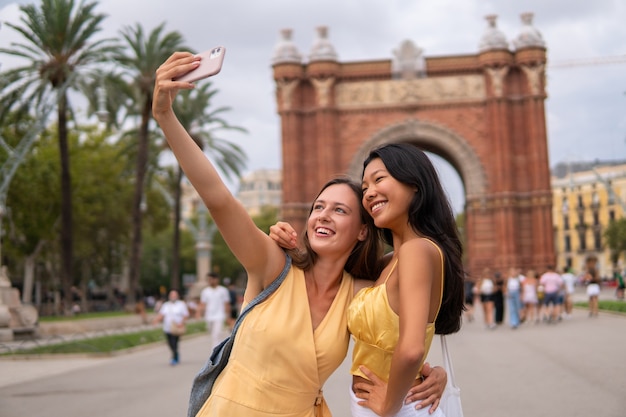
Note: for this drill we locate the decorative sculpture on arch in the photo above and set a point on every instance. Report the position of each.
(409, 62)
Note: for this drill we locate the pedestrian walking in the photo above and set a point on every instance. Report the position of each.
(552, 284)
(513, 297)
(592, 279)
(498, 298)
(173, 314)
(569, 282)
(215, 307)
(530, 299)
(486, 289)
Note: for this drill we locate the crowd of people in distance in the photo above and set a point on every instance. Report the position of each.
(533, 297)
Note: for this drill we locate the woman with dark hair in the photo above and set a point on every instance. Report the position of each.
(288, 345)
(420, 291)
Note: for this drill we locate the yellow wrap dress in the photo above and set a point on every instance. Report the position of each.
(279, 364)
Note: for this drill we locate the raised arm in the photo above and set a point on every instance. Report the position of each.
(258, 254)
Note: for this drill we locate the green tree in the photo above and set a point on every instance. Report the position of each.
(615, 235)
(225, 261)
(203, 124)
(29, 231)
(140, 59)
(102, 196)
(57, 46)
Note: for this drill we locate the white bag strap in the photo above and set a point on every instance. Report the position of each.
(447, 361)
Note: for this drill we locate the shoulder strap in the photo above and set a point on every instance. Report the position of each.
(395, 263)
(265, 293)
(447, 360)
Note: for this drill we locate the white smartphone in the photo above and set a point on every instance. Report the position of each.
(210, 64)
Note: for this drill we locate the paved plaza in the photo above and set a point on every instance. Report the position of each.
(572, 368)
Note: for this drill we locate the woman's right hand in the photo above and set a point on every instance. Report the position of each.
(284, 235)
(430, 391)
(165, 88)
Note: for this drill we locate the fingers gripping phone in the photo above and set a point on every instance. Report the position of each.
(210, 64)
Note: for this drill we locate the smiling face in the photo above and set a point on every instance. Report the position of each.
(334, 225)
(386, 199)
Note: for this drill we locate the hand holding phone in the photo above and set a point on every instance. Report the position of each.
(210, 64)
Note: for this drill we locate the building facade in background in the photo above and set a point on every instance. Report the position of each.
(261, 188)
(586, 198)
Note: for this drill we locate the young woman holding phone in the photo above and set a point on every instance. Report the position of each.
(288, 345)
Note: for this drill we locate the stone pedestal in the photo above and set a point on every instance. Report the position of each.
(6, 334)
(14, 316)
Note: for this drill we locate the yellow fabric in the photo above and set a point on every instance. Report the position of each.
(278, 363)
(375, 328)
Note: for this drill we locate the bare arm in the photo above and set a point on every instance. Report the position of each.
(261, 258)
(413, 301)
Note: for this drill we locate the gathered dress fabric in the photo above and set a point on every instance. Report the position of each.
(375, 328)
(279, 363)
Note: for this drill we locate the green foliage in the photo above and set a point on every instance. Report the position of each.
(615, 235)
(156, 261)
(224, 262)
(57, 44)
(33, 196)
(606, 305)
(101, 197)
(60, 52)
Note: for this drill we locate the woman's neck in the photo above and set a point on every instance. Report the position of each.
(324, 276)
(403, 235)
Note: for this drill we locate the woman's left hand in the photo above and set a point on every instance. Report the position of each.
(372, 394)
(165, 88)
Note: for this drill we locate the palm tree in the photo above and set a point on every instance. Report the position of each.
(193, 111)
(145, 55)
(58, 47)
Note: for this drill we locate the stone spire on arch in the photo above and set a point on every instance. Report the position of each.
(322, 49)
(285, 51)
(493, 38)
(529, 36)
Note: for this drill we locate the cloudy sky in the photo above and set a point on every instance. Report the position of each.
(586, 108)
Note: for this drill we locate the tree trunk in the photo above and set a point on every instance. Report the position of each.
(29, 273)
(67, 249)
(142, 167)
(175, 284)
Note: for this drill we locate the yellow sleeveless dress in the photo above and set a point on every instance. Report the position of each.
(375, 328)
(279, 364)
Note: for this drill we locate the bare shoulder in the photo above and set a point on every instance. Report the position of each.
(419, 248)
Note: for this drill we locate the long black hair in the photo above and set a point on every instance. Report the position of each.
(430, 215)
(364, 260)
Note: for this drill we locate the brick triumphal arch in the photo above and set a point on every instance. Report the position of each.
(483, 113)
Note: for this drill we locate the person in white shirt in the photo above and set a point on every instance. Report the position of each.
(569, 280)
(172, 313)
(215, 303)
